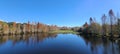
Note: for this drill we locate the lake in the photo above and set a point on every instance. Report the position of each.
(44, 43)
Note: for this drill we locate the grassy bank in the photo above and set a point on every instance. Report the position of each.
(64, 31)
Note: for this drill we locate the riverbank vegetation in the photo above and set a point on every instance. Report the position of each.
(13, 28)
(110, 26)
(24, 28)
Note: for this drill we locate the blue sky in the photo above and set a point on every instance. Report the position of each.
(59, 12)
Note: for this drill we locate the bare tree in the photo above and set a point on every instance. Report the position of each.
(91, 20)
(104, 30)
(118, 24)
(112, 16)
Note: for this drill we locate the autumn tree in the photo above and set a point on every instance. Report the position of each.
(12, 27)
(24, 30)
(28, 27)
(5, 29)
(38, 27)
(32, 27)
(53, 27)
(0, 27)
(19, 29)
(35, 27)
(45, 29)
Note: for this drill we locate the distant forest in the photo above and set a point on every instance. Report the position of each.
(19, 28)
(109, 26)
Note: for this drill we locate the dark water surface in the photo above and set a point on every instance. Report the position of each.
(56, 44)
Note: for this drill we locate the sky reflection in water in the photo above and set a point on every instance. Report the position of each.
(56, 44)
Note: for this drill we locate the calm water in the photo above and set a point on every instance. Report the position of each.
(56, 44)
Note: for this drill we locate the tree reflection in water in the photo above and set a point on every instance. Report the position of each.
(102, 45)
(62, 43)
(35, 38)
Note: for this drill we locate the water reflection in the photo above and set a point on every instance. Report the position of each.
(47, 43)
(102, 45)
(34, 38)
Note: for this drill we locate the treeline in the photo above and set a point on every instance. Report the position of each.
(110, 26)
(24, 28)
